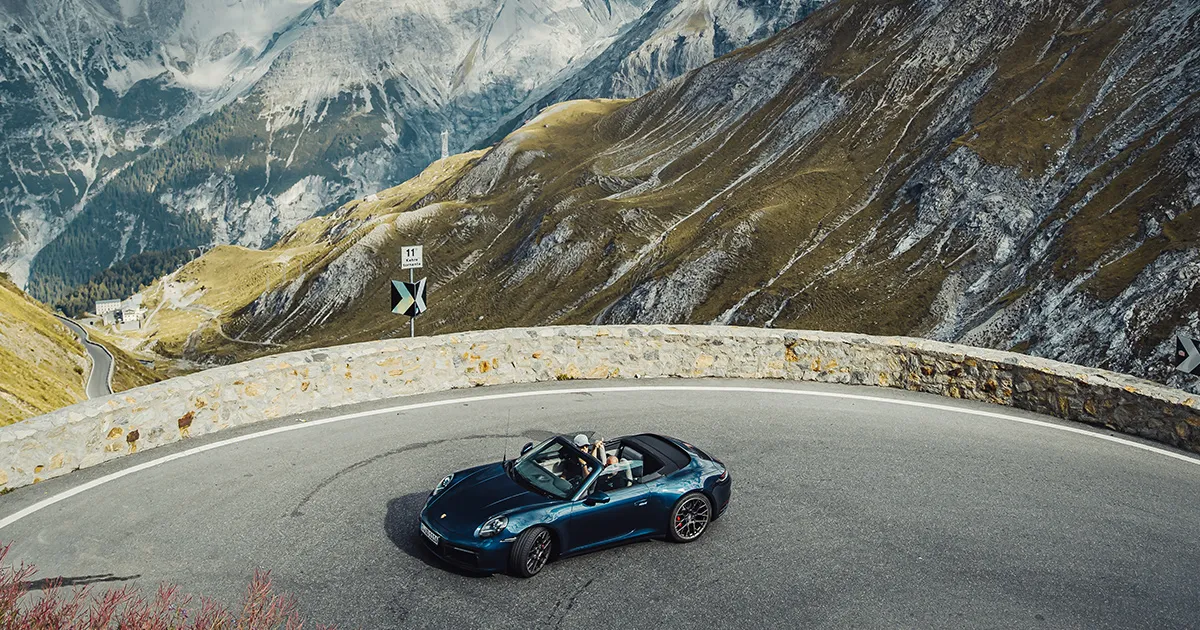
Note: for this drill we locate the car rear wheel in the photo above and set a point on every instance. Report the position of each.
(690, 517)
(531, 551)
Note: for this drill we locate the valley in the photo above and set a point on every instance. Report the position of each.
(886, 168)
(149, 128)
(808, 184)
(1024, 182)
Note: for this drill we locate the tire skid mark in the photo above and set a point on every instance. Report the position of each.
(296, 511)
(559, 613)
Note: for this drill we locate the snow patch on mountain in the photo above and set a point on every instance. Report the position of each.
(442, 50)
(88, 83)
(376, 80)
(258, 222)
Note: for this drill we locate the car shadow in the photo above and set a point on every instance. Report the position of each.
(400, 524)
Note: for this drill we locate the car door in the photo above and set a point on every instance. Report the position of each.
(595, 524)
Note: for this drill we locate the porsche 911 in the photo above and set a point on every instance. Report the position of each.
(558, 499)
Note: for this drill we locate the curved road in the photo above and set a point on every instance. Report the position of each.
(100, 379)
(852, 507)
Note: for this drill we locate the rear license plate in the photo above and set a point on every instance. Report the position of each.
(428, 533)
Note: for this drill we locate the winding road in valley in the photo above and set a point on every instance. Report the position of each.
(100, 379)
(852, 507)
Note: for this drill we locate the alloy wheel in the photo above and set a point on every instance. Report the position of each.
(540, 552)
(691, 518)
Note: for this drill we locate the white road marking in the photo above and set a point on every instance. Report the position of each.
(62, 496)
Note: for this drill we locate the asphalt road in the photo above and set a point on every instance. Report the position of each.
(98, 381)
(847, 513)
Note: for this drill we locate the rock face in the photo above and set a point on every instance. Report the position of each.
(86, 85)
(671, 39)
(150, 125)
(301, 382)
(1018, 175)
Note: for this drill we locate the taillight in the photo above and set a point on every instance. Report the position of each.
(724, 475)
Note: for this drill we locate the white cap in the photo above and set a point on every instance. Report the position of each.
(581, 440)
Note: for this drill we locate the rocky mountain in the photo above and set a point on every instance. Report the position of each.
(86, 86)
(154, 125)
(1020, 175)
(671, 39)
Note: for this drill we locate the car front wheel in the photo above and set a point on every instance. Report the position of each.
(530, 552)
(690, 517)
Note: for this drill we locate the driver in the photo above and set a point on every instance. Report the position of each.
(595, 450)
(576, 467)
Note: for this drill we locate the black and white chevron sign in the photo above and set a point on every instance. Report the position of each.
(408, 298)
(1187, 355)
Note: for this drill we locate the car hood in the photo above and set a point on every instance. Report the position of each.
(482, 493)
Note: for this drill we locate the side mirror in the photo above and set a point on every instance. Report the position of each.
(596, 498)
(525, 449)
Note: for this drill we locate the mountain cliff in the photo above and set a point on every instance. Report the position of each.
(156, 125)
(87, 86)
(1017, 175)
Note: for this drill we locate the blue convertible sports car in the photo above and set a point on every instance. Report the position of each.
(557, 499)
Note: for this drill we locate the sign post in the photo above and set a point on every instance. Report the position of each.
(410, 295)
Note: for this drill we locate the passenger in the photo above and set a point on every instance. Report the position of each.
(612, 478)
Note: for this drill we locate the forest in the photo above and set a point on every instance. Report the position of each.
(123, 279)
(232, 145)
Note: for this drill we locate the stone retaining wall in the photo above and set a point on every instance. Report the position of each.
(95, 431)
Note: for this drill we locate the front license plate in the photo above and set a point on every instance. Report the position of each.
(428, 533)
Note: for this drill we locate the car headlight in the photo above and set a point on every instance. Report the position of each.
(444, 483)
(493, 526)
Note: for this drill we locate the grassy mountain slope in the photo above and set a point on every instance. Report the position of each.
(354, 97)
(1014, 175)
(192, 311)
(42, 365)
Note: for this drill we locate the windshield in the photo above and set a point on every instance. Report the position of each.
(555, 467)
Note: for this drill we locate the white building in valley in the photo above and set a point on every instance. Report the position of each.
(107, 306)
(124, 314)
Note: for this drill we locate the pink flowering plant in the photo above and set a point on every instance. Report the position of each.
(57, 607)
